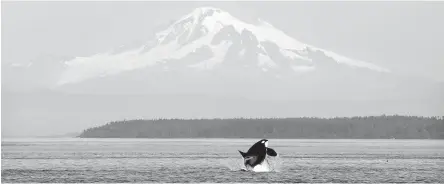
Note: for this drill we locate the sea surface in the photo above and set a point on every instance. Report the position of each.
(77, 160)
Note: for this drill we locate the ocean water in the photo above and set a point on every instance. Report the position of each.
(218, 161)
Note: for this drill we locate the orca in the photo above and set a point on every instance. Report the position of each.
(254, 158)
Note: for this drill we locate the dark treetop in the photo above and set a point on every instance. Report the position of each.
(371, 127)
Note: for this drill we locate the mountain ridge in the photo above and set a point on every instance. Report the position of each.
(204, 39)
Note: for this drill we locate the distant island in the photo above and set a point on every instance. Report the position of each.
(369, 127)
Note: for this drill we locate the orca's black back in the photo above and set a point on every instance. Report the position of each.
(258, 149)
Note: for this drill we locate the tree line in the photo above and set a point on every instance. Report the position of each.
(369, 127)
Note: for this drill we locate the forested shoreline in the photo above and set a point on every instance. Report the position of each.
(370, 127)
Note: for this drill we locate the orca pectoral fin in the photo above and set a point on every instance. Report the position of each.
(250, 159)
(271, 152)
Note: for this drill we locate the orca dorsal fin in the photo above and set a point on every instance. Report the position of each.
(242, 153)
(271, 152)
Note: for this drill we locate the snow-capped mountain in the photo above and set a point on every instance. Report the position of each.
(206, 64)
(210, 39)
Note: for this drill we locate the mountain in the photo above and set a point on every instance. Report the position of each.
(206, 40)
(212, 39)
(209, 51)
(207, 64)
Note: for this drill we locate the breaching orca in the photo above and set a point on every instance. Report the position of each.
(255, 156)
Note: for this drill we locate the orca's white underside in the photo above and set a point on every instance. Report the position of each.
(263, 167)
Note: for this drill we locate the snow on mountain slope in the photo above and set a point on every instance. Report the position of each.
(207, 39)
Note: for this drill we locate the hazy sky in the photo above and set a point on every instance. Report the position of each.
(406, 37)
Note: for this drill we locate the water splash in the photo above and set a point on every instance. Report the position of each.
(234, 164)
(275, 163)
(270, 164)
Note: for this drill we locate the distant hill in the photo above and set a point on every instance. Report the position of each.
(371, 127)
(67, 135)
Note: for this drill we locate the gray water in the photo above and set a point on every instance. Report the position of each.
(217, 160)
